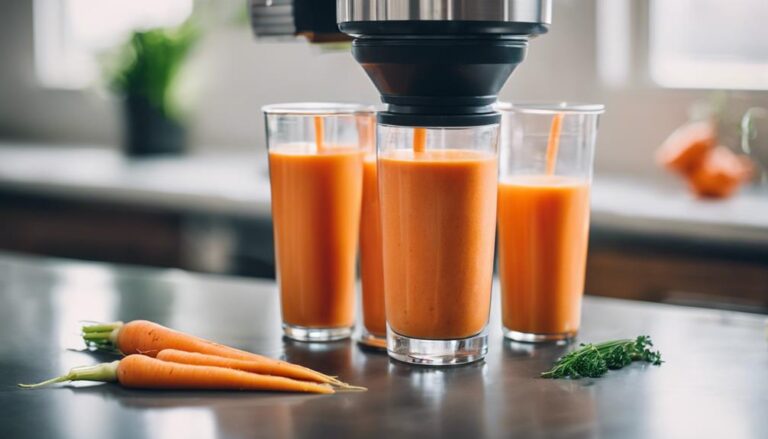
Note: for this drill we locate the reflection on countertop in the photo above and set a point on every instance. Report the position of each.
(697, 392)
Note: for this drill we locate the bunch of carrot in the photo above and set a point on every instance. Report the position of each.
(711, 171)
(161, 358)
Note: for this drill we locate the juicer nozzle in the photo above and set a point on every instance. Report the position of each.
(434, 62)
(441, 63)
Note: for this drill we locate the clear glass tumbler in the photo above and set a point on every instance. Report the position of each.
(316, 174)
(545, 173)
(437, 188)
(374, 329)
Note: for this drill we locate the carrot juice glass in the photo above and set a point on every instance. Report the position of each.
(374, 328)
(316, 178)
(437, 189)
(545, 172)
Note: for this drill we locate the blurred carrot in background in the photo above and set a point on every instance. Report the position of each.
(687, 147)
(720, 173)
(711, 171)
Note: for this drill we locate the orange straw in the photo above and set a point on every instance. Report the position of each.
(319, 133)
(419, 139)
(553, 144)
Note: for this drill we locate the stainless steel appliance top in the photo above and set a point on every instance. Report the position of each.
(529, 11)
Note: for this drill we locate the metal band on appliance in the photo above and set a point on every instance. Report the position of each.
(530, 11)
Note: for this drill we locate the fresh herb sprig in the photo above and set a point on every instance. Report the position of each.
(594, 360)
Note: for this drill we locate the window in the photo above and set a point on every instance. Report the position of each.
(69, 34)
(709, 43)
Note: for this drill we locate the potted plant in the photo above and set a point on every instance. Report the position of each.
(144, 72)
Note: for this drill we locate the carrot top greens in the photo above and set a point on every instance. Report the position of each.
(594, 360)
(102, 335)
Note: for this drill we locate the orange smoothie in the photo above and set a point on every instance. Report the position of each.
(543, 232)
(316, 213)
(371, 266)
(438, 212)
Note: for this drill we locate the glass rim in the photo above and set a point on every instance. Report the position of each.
(317, 109)
(438, 127)
(549, 107)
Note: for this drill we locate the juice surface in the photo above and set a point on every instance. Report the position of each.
(371, 265)
(316, 213)
(438, 211)
(543, 233)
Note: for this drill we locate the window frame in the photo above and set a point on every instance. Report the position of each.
(631, 61)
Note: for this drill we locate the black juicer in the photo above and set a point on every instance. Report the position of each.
(441, 62)
(435, 62)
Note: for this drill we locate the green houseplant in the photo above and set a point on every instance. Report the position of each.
(144, 72)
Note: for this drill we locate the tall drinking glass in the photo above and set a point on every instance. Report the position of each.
(437, 188)
(316, 175)
(545, 173)
(374, 328)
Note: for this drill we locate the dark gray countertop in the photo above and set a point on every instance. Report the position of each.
(714, 383)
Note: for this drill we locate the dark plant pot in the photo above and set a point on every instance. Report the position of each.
(147, 131)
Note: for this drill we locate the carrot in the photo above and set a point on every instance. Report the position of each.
(198, 359)
(720, 173)
(148, 338)
(687, 147)
(142, 372)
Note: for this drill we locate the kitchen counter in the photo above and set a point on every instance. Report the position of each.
(237, 185)
(227, 184)
(713, 383)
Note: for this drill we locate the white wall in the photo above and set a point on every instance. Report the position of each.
(240, 75)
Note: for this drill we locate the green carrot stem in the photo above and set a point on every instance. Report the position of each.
(97, 336)
(102, 335)
(349, 388)
(102, 327)
(104, 372)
